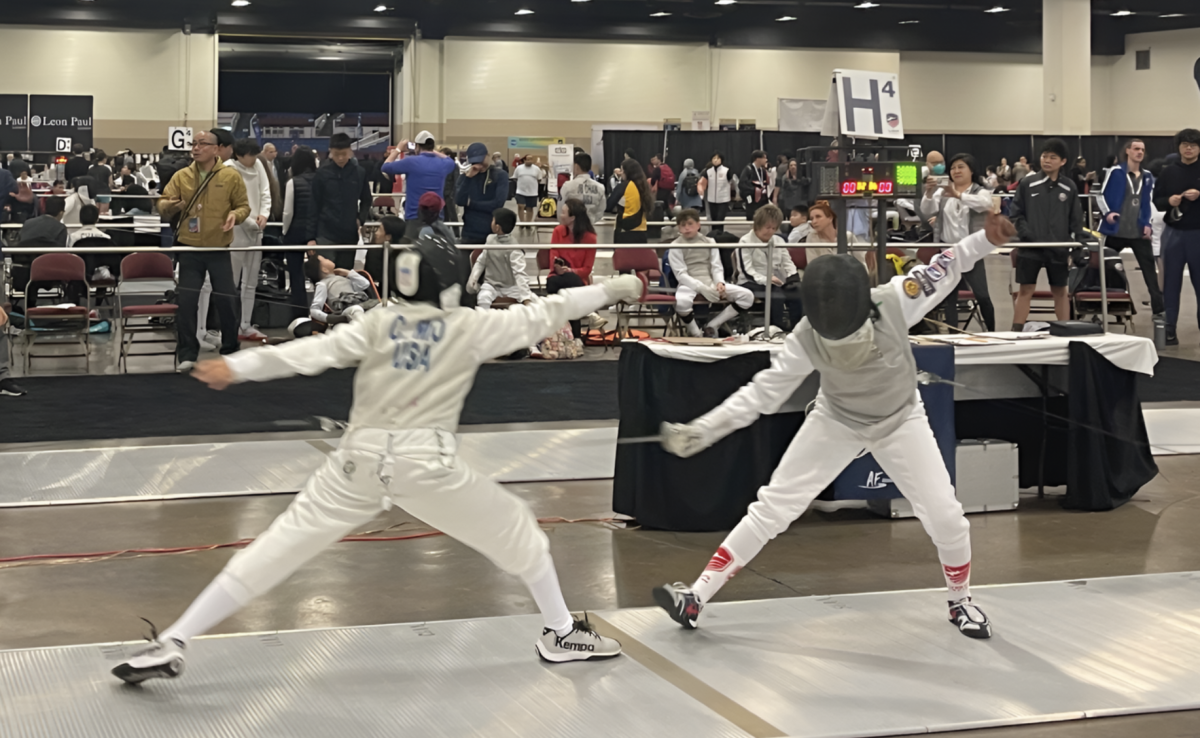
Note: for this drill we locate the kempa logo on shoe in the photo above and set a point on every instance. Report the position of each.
(875, 480)
(562, 642)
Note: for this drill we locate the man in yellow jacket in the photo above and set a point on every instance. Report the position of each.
(209, 200)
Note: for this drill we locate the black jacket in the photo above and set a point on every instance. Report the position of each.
(479, 196)
(342, 200)
(1045, 210)
(76, 166)
(304, 214)
(1175, 180)
(753, 178)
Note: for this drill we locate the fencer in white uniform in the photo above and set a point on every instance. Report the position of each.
(416, 363)
(700, 272)
(857, 338)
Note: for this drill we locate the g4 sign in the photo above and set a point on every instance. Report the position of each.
(179, 139)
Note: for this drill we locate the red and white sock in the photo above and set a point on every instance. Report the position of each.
(721, 568)
(958, 581)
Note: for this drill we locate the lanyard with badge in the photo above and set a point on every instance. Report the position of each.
(1137, 193)
(193, 223)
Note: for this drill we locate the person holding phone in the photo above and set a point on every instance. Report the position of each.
(572, 267)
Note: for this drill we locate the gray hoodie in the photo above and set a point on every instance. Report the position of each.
(681, 196)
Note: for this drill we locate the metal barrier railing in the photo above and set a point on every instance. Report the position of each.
(770, 248)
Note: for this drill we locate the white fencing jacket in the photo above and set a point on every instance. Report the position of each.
(258, 193)
(917, 293)
(417, 362)
(696, 269)
(752, 262)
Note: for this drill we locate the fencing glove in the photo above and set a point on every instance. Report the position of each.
(683, 439)
(625, 288)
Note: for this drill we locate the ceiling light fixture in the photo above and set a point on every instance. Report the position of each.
(1122, 13)
(240, 3)
(381, 8)
(659, 14)
(726, 2)
(909, 22)
(866, 5)
(786, 18)
(328, 58)
(581, 1)
(1171, 15)
(997, 9)
(524, 11)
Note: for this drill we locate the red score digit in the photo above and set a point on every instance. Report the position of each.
(885, 187)
(849, 187)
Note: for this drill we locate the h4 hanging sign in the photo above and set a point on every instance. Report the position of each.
(866, 105)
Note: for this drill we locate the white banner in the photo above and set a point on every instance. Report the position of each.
(701, 120)
(801, 115)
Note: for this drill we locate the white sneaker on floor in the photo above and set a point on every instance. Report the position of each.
(598, 322)
(102, 274)
(211, 339)
(250, 333)
(162, 660)
(185, 366)
(581, 644)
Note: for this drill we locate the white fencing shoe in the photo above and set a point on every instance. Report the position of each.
(581, 644)
(162, 660)
(970, 619)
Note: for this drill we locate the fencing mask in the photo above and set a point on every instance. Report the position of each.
(837, 295)
(428, 272)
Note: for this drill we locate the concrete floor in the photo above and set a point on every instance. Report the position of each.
(600, 567)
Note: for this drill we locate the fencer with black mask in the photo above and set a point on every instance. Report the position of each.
(416, 362)
(856, 337)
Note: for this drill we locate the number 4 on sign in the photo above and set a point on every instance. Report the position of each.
(889, 90)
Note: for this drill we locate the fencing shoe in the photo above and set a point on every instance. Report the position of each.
(162, 660)
(680, 603)
(581, 644)
(693, 329)
(970, 619)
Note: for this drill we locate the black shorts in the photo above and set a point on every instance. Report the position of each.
(1028, 269)
(529, 201)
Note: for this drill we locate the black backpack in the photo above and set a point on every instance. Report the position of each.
(691, 184)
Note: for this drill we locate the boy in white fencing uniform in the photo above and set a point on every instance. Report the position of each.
(416, 363)
(700, 272)
(857, 338)
(502, 271)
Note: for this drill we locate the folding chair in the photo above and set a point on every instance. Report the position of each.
(62, 270)
(543, 265)
(650, 307)
(145, 267)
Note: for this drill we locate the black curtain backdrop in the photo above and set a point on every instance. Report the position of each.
(987, 149)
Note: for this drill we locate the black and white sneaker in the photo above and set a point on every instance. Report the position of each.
(162, 660)
(971, 621)
(581, 644)
(680, 603)
(9, 388)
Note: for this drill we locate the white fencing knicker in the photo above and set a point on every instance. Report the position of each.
(419, 471)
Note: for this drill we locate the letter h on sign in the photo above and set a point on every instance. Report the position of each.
(852, 103)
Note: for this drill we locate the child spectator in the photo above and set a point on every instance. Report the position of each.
(339, 295)
(699, 272)
(429, 211)
(754, 272)
(502, 270)
(97, 265)
(798, 219)
(573, 267)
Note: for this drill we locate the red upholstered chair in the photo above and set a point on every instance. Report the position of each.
(653, 307)
(543, 265)
(799, 257)
(137, 320)
(67, 273)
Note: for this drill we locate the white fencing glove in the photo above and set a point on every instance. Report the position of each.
(625, 288)
(683, 439)
(354, 312)
(710, 293)
(472, 285)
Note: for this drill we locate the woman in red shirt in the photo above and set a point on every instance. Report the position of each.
(572, 267)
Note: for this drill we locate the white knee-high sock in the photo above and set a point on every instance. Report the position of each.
(723, 316)
(956, 566)
(549, 598)
(202, 315)
(738, 548)
(223, 597)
